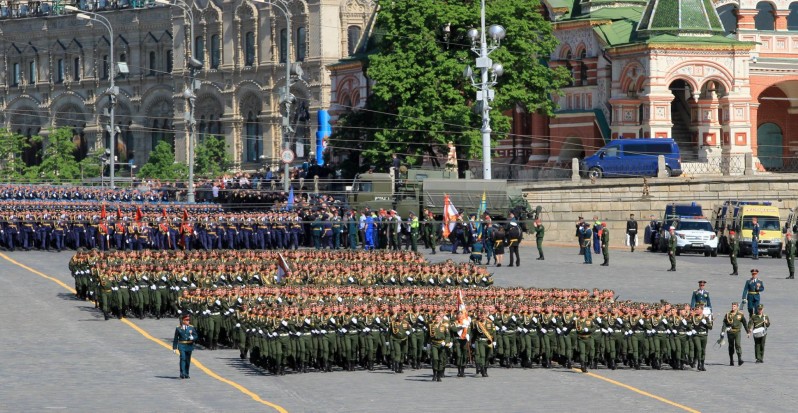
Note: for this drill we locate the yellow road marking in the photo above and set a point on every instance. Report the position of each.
(147, 335)
(638, 391)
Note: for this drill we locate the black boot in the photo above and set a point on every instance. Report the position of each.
(740, 361)
(584, 367)
(731, 360)
(441, 374)
(434, 375)
(485, 371)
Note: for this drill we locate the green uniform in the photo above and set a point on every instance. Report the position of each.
(789, 253)
(701, 326)
(414, 225)
(440, 341)
(430, 233)
(759, 324)
(540, 231)
(584, 334)
(672, 251)
(734, 250)
(400, 330)
(483, 331)
(605, 245)
(733, 323)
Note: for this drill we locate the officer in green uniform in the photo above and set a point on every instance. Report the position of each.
(584, 331)
(733, 323)
(440, 341)
(400, 330)
(701, 324)
(183, 344)
(734, 249)
(758, 325)
(483, 330)
(430, 230)
(672, 248)
(605, 244)
(789, 253)
(540, 231)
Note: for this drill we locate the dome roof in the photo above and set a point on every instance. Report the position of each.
(681, 18)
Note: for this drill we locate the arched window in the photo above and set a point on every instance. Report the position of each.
(216, 53)
(353, 39)
(301, 38)
(765, 19)
(76, 69)
(201, 130)
(59, 71)
(249, 49)
(283, 46)
(16, 75)
(169, 61)
(253, 139)
(32, 72)
(105, 67)
(156, 135)
(583, 68)
(792, 18)
(152, 63)
(199, 49)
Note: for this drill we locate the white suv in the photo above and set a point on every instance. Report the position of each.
(695, 235)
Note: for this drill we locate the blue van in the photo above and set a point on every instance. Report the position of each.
(633, 157)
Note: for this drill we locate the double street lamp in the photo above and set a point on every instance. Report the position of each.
(189, 94)
(490, 72)
(112, 91)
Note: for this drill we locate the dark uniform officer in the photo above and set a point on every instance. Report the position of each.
(701, 296)
(605, 244)
(185, 334)
(631, 231)
(752, 291)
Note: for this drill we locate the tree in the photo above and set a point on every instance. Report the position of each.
(12, 145)
(58, 157)
(211, 157)
(420, 98)
(161, 164)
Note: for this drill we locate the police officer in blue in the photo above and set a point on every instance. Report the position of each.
(754, 240)
(701, 296)
(183, 344)
(752, 291)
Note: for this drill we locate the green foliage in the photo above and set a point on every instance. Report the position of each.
(12, 145)
(58, 158)
(161, 164)
(91, 165)
(211, 157)
(420, 98)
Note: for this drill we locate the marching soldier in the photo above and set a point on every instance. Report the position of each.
(733, 323)
(183, 344)
(758, 325)
(752, 291)
(440, 342)
(483, 331)
(702, 323)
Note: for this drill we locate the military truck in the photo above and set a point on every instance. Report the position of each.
(418, 189)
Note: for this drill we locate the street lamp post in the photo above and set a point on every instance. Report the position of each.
(189, 93)
(286, 99)
(112, 91)
(490, 73)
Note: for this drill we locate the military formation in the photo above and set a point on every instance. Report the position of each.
(311, 310)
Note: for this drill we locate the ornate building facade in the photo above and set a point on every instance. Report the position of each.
(55, 71)
(718, 76)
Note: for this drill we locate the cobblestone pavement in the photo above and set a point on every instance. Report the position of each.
(58, 354)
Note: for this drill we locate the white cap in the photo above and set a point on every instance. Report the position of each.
(515, 224)
(672, 227)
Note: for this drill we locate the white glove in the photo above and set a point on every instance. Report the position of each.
(554, 319)
(307, 321)
(152, 287)
(238, 324)
(504, 328)
(585, 330)
(332, 320)
(176, 351)
(407, 332)
(534, 319)
(604, 330)
(723, 334)
(366, 330)
(619, 320)
(421, 318)
(450, 344)
(377, 319)
(684, 322)
(665, 321)
(285, 323)
(641, 322)
(565, 330)
(513, 317)
(493, 344)
(703, 321)
(218, 302)
(410, 279)
(559, 331)
(544, 331)
(354, 320)
(609, 330)
(598, 319)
